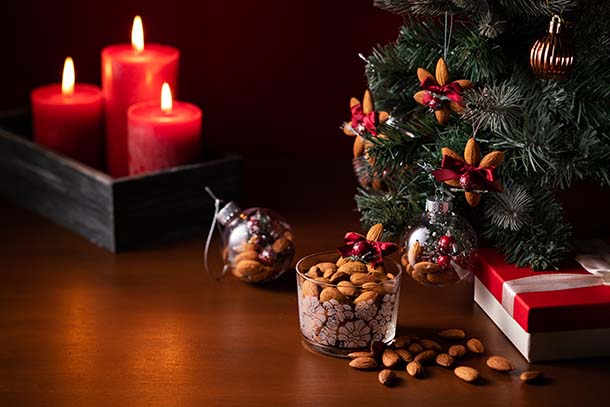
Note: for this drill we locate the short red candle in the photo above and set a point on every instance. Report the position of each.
(159, 139)
(71, 124)
(130, 75)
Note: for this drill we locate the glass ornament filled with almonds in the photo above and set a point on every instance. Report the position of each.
(348, 298)
(258, 243)
(440, 246)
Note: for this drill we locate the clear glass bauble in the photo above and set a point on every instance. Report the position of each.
(257, 243)
(439, 247)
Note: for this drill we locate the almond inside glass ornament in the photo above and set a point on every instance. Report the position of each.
(440, 247)
(257, 243)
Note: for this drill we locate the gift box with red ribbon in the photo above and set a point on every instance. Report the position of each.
(548, 315)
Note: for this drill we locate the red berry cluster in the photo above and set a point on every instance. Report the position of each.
(446, 248)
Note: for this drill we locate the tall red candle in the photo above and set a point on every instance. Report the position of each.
(130, 74)
(163, 135)
(68, 118)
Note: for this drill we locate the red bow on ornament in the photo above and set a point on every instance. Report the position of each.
(361, 120)
(369, 250)
(471, 177)
(436, 94)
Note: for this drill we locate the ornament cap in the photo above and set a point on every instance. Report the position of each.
(228, 213)
(555, 25)
(438, 205)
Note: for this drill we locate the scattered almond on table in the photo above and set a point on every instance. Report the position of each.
(410, 354)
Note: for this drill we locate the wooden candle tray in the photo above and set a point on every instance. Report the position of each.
(115, 213)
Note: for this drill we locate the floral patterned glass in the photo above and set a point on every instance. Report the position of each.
(335, 328)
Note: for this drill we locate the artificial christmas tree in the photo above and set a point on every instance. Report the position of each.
(551, 132)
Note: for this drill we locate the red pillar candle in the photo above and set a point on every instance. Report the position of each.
(68, 118)
(130, 74)
(163, 135)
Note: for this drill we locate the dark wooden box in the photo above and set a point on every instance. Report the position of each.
(117, 214)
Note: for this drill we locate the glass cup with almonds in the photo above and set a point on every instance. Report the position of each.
(345, 305)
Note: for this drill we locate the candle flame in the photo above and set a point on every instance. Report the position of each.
(166, 98)
(68, 78)
(137, 35)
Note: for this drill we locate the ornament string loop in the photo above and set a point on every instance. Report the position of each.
(217, 203)
(447, 39)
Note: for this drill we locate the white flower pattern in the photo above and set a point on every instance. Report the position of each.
(334, 324)
(366, 310)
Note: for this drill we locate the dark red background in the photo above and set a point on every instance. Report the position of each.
(273, 77)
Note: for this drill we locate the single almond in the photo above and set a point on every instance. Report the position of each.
(492, 159)
(363, 363)
(341, 261)
(472, 152)
(375, 232)
(404, 260)
(246, 268)
(390, 358)
(352, 267)
(415, 369)
(280, 245)
(314, 272)
(450, 153)
(386, 377)
(331, 293)
(288, 235)
(346, 288)
(415, 348)
(328, 273)
(358, 279)
(425, 356)
(444, 360)
(404, 354)
(442, 72)
(339, 276)
(414, 252)
(452, 334)
(358, 147)
(475, 346)
(442, 115)
(446, 277)
(422, 74)
(310, 289)
(247, 255)
(378, 275)
(325, 265)
(378, 288)
(473, 198)
(430, 344)
(457, 351)
(355, 355)
(402, 342)
(366, 296)
(499, 363)
(468, 374)
(426, 267)
(367, 102)
(419, 277)
(531, 376)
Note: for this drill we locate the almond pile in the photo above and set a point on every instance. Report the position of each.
(348, 304)
(416, 354)
(425, 271)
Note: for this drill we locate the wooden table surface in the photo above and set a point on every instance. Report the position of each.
(82, 327)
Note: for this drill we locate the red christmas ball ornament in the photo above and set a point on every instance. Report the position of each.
(471, 181)
(443, 261)
(361, 248)
(446, 244)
